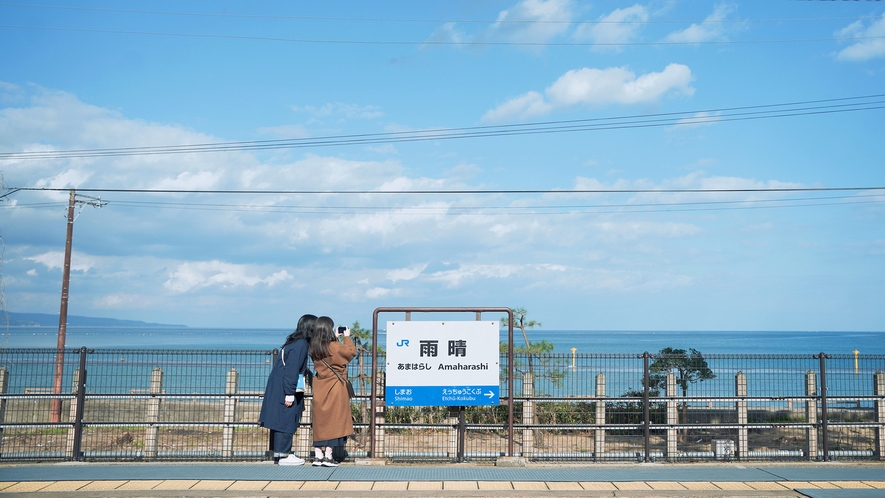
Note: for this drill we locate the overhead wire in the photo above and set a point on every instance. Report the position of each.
(681, 118)
(426, 20)
(442, 42)
(479, 210)
(455, 191)
(482, 210)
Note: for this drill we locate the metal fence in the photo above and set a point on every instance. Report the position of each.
(203, 405)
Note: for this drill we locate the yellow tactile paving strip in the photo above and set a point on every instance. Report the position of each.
(666, 486)
(283, 486)
(460, 485)
(103, 485)
(495, 485)
(598, 486)
(220, 485)
(425, 485)
(769, 486)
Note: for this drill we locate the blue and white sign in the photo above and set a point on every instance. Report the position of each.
(442, 363)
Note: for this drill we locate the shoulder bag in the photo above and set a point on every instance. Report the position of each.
(347, 383)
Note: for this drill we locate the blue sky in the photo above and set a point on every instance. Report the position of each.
(93, 75)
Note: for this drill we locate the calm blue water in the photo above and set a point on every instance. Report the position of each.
(585, 341)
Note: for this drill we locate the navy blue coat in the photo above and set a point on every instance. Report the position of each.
(275, 415)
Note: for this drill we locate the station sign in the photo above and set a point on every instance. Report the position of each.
(442, 363)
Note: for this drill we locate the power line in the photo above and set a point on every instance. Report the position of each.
(457, 192)
(682, 118)
(505, 209)
(432, 21)
(549, 210)
(441, 42)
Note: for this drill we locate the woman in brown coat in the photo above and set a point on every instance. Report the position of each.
(332, 419)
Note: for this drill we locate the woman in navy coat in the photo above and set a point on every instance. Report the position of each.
(281, 407)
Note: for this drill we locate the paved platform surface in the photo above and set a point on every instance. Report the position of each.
(819, 480)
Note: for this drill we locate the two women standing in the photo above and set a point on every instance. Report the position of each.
(282, 405)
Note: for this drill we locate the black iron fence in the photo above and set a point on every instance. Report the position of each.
(193, 405)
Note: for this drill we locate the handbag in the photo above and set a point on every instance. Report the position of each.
(348, 384)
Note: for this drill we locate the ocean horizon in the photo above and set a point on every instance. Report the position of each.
(584, 341)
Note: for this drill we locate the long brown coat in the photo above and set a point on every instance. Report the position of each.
(331, 404)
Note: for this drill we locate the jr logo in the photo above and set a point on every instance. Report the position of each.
(403, 342)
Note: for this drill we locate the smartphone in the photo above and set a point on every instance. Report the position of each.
(341, 330)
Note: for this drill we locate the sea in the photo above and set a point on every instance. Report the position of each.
(623, 374)
(584, 341)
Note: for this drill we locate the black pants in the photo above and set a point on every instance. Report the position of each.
(282, 441)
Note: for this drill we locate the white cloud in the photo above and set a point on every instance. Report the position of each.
(203, 180)
(376, 292)
(588, 86)
(453, 278)
(448, 33)
(341, 110)
(197, 275)
(285, 131)
(384, 149)
(620, 26)
(526, 105)
(699, 119)
(527, 22)
(66, 179)
(56, 259)
(409, 273)
(32, 273)
(552, 14)
(640, 229)
(865, 49)
(318, 172)
(719, 187)
(711, 29)
(53, 120)
(126, 301)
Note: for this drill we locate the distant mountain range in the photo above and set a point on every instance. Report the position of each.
(48, 320)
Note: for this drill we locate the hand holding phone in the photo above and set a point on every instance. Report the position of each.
(342, 330)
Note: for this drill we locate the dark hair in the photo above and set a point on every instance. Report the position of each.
(323, 335)
(304, 330)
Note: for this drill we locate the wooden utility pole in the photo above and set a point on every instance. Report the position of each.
(55, 408)
(55, 413)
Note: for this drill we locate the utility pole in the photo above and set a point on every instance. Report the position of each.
(55, 409)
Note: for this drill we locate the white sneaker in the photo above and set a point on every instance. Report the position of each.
(291, 460)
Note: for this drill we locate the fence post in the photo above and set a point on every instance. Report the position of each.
(75, 414)
(646, 415)
(879, 391)
(599, 440)
(451, 420)
(672, 416)
(230, 413)
(742, 451)
(269, 454)
(379, 413)
(303, 438)
(811, 414)
(824, 422)
(153, 414)
(528, 414)
(72, 418)
(4, 388)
